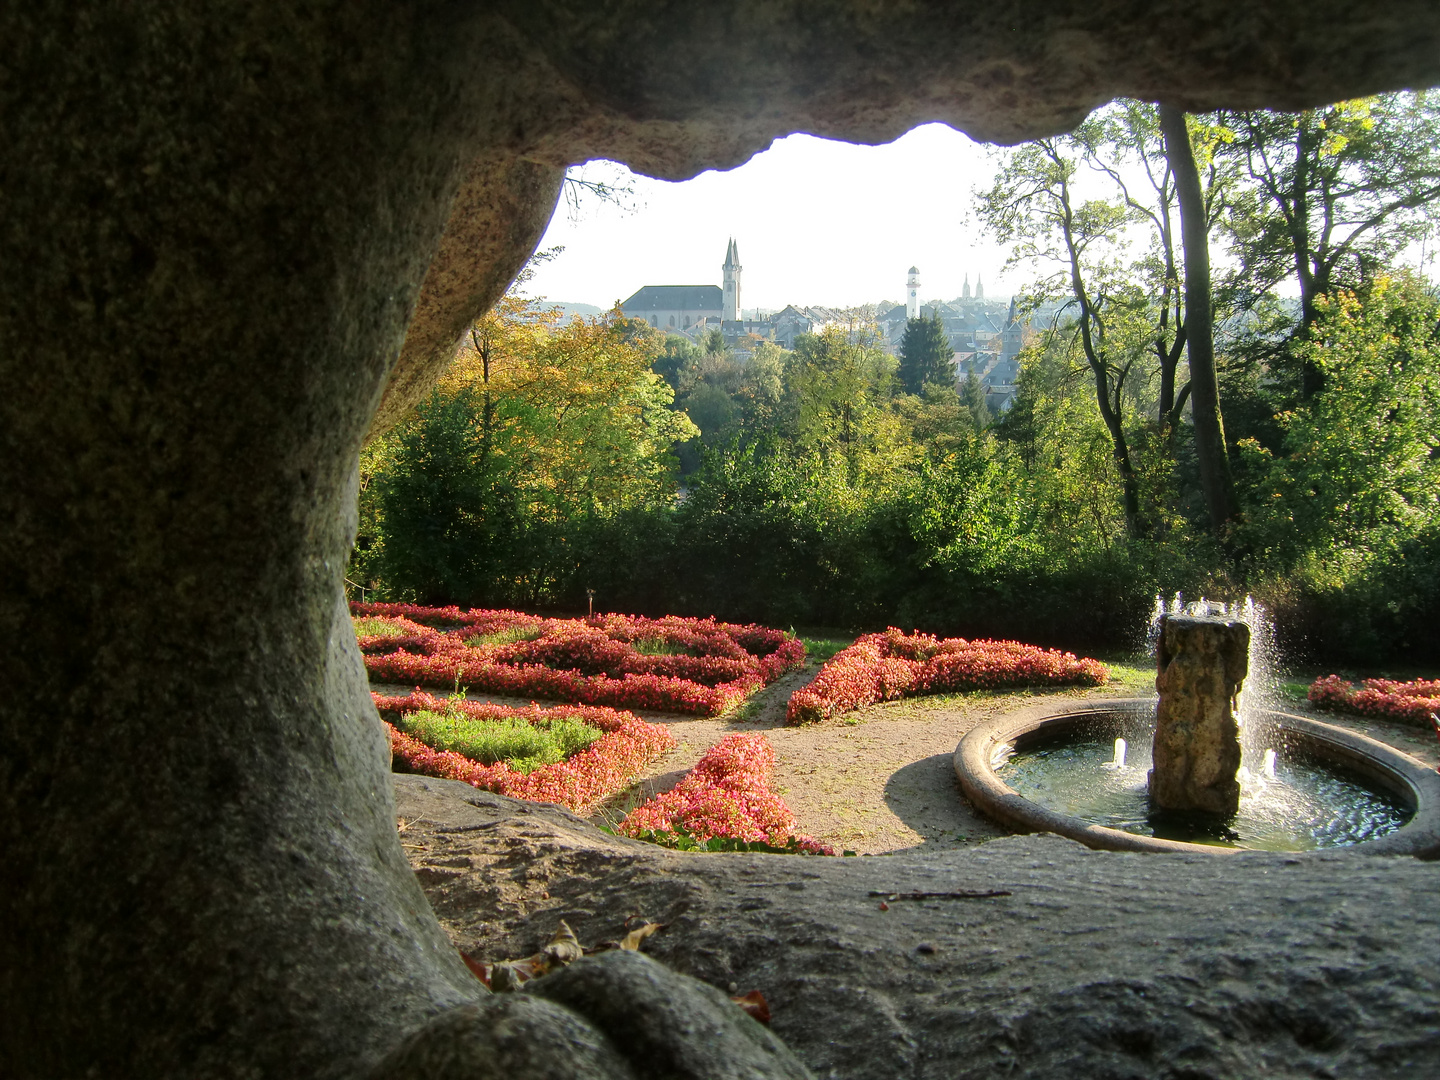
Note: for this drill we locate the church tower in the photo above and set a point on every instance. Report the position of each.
(731, 270)
(966, 292)
(912, 294)
(979, 288)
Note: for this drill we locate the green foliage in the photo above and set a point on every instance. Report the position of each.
(818, 650)
(523, 744)
(376, 627)
(681, 839)
(508, 636)
(1360, 464)
(537, 431)
(926, 358)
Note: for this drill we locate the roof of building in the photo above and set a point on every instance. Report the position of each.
(676, 298)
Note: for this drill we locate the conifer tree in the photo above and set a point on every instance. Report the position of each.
(925, 355)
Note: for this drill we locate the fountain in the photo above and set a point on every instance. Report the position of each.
(1227, 771)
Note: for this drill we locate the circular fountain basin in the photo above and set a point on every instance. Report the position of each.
(1387, 795)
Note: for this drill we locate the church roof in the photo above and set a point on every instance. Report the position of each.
(676, 298)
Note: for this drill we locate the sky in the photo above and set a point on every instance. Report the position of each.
(815, 221)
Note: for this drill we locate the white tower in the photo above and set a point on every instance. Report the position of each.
(732, 283)
(966, 293)
(912, 294)
(979, 288)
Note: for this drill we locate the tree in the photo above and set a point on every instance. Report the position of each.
(1330, 196)
(837, 396)
(1215, 478)
(1034, 206)
(1360, 471)
(1124, 142)
(972, 396)
(535, 427)
(926, 357)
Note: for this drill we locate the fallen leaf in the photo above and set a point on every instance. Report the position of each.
(633, 939)
(564, 947)
(480, 970)
(884, 906)
(755, 1004)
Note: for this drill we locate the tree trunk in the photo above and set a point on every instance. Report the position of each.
(1215, 478)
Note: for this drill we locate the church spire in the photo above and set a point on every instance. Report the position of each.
(979, 288)
(731, 271)
(966, 292)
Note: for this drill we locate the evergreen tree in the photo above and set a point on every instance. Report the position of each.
(972, 395)
(925, 355)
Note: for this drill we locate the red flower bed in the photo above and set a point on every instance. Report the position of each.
(706, 666)
(882, 667)
(1406, 702)
(578, 783)
(727, 794)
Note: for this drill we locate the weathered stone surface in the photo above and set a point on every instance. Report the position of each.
(1202, 664)
(501, 208)
(1099, 964)
(217, 218)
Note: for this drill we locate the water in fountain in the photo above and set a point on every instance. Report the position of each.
(1302, 807)
(1285, 804)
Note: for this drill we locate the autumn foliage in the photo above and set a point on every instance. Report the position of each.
(1412, 702)
(696, 666)
(882, 667)
(578, 783)
(727, 794)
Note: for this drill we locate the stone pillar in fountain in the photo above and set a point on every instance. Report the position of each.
(1202, 663)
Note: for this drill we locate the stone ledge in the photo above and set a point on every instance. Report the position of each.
(1098, 963)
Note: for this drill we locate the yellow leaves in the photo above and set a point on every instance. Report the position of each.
(633, 939)
(564, 948)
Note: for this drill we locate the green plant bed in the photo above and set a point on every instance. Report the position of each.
(684, 840)
(378, 626)
(525, 745)
(508, 636)
(818, 650)
(658, 647)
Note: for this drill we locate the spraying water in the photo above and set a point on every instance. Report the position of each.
(1261, 690)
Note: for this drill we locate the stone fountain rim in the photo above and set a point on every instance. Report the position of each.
(1419, 837)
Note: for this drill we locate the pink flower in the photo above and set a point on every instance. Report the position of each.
(592, 661)
(1406, 702)
(727, 794)
(882, 667)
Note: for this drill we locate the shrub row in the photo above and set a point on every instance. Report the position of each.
(727, 795)
(703, 667)
(577, 784)
(1416, 702)
(882, 667)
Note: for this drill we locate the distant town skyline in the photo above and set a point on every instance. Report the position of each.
(815, 222)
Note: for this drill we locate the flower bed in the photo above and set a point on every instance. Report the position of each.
(696, 666)
(728, 796)
(1412, 702)
(577, 784)
(882, 667)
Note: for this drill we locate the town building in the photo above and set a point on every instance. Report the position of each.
(986, 335)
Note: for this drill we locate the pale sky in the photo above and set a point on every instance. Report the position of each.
(815, 221)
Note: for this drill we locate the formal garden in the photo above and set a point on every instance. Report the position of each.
(697, 734)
